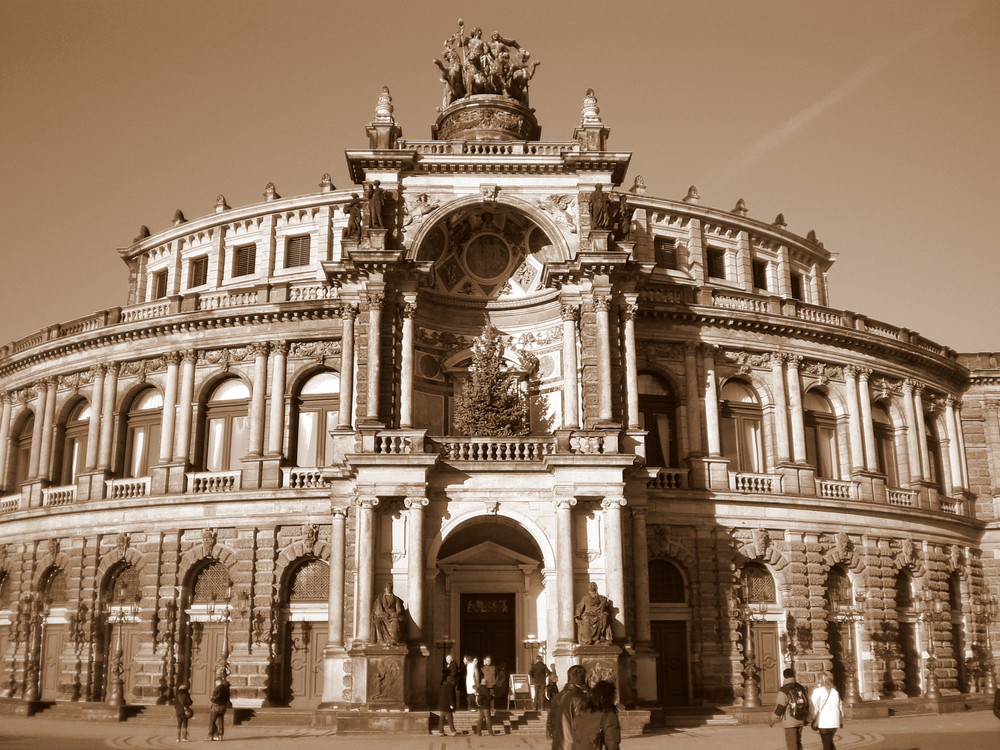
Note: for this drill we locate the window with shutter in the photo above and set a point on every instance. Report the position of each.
(797, 287)
(716, 263)
(198, 272)
(297, 251)
(665, 252)
(760, 274)
(160, 284)
(244, 260)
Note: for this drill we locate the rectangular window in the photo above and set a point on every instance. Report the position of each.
(797, 287)
(760, 274)
(198, 272)
(244, 260)
(297, 251)
(665, 252)
(160, 284)
(716, 263)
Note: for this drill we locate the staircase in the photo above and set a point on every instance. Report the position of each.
(504, 722)
(686, 717)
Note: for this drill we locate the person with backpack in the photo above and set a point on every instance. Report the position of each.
(792, 707)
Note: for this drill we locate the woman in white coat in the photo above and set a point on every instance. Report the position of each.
(827, 711)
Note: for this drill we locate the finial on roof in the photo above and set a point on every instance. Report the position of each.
(270, 193)
(813, 238)
(638, 186)
(692, 196)
(143, 233)
(326, 184)
(591, 113)
(221, 205)
(383, 108)
(779, 221)
(179, 217)
(741, 208)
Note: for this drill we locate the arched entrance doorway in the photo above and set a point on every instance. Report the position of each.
(670, 611)
(304, 610)
(53, 633)
(120, 596)
(204, 629)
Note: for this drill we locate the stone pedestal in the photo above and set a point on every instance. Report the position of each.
(379, 677)
(599, 239)
(374, 239)
(602, 662)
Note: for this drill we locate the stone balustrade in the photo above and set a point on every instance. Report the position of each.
(206, 482)
(127, 489)
(496, 449)
(758, 484)
(904, 498)
(56, 496)
(9, 503)
(667, 479)
(834, 489)
(298, 478)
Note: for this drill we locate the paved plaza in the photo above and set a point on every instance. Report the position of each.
(969, 731)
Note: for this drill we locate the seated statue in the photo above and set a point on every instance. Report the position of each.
(387, 618)
(593, 617)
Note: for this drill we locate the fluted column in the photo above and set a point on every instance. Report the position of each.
(918, 408)
(629, 310)
(5, 412)
(182, 445)
(780, 407)
(45, 468)
(601, 306)
(854, 419)
(614, 558)
(108, 416)
(712, 405)
(912, 442)
(335, 611)
(366, 567)
(258, 399)
(963, 458)
(640, 572)
(408, 312)
(347, 315)
(276, 417)
(693, 393)
(169, 408)
(375, 302)
(94, 427)
(867, 428)
(36, 430)
(415, 561)
(954, 454)
(796, 412)
(566, 634)
(571, 385)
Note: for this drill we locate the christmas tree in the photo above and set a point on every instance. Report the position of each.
(489, 403)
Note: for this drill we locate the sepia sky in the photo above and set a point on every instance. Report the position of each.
(876, 124)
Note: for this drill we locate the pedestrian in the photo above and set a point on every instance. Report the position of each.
(792, 708)
(488, 677)
(597, 724)
(182, 707)
(217, 716)
(996, 704)
(500, 689)
(827, 711)
(538, 675)
(446, 704)
(552, 686)
(485, 721)
(565, 707)
(451, 670)
(471, 681)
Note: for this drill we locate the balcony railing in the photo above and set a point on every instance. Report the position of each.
(10, 503)
(496, 449)
(127, 489)
(758, 484)
(668, 479)
(905, 498)
(837, 490)
(206, 482)
(951, 505)
(298, 478)
(54, 496)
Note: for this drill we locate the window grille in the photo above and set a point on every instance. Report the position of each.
(56, 592)
(198, 275)
(665, 252)
(212, 584)
(160, 284)
(297, 251)
(311, 583)
(716, 263)
(244, 260)
(126, 589)
(839, 592)
(760, 585)
(760, 274)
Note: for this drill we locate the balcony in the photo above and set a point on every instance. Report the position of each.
(56, 496)
(10, 503)
(903, 498)
(299, 478)
(757, 484)
(835, 489)
(127, 489)
(667, 479)
(496, 449)
(209, 482)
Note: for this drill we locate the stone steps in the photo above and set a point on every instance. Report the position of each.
(687, 717)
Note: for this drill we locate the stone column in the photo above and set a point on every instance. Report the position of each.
(366, 567)
(693, 394)
(963, 458)
(276, 417)
(780, 407)
(867, 428)
(335, 611)
(409, 310)
(36, 430)
(375, 302)
(918, 408)
(96, 407)
(854, 419)
(954, 454)
(912, 441)
(108, 416)
(258, 399)
(347, 315)
(629, 310)
(415, 561)
(797, 413)
(614, 559)
(45, 468)
(712, 405)
(571, 385)
(169, 408)
(601, 306)
(640, 572)
(182, 445)
(566, 634)
(5, 411)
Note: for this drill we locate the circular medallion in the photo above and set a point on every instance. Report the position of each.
(487, 257)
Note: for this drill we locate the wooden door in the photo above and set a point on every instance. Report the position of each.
(671, 644)
(205, 651)
(131, 641)
(306, 643)
(911, 658)
(765, 636)
(488, 628)
(54, 639)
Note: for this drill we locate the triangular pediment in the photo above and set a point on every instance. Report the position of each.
(487, 555)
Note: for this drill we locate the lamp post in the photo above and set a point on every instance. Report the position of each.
(167, 638)
(930, 609)
(853, 615)
(747, 613)
(36, 609)
(533, 645)
(223, 614)
(987, 612)
(117, 617)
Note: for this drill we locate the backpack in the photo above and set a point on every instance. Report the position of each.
(798, 701)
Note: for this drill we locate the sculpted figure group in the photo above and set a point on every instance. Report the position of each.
(365, 212)
(611, 213)
(469, 65)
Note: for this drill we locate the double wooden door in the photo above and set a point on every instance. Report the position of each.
(304, 644)
(670, 640)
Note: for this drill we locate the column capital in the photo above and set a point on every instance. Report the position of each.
(190, 355)
(375, 300)
(794, 361)
(851, 371)
(629, 311)
(614, 502)
(260, 348)
(602, 303)
(569, 312)
(339, 512)
(408, 310)
(864, 373)
(777, 359)
(992, 404)
(365, 502)
(639, 513)
(564, 503)
(51, 382)
(950, 401)
(415, 503)
(348, 311)
(172, 358)
(279, 347)
(111, 368)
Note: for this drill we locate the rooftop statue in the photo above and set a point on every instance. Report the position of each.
(469, 66)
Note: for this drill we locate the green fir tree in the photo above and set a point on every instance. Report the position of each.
(489, 403)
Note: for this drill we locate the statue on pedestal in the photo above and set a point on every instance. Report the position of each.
(353, 210)
(387, 618)
(593, 617)
(374, 203)
(600, 214)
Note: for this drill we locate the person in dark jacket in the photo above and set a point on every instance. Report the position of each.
(565, 707)
(446, 704)
(538, 674)
(485, 721)
(217, 716)
(182, 707)
(598, 719)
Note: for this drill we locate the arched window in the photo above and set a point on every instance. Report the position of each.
(666, 584)
(741, 425)
(757, 584)
(212, 584)
(885, 445)
(55, 591)
(904, 592)
(821, 435)
(226, 425)
(934, 471)
(74, 443)
(125, 587)
(839, 591)
(310, 583)
(318, 413)
(142, 433)
(22, 451)
(658, 416)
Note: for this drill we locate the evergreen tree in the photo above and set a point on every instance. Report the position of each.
(489, 403)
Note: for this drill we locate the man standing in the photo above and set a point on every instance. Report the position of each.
(485, 721)
(217, 716)
(792, 707)
(565, 707)
(538, 674)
